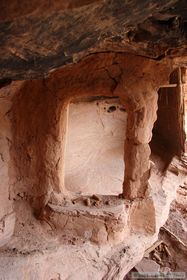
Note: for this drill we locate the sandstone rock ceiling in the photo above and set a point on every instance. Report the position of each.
(38, 36)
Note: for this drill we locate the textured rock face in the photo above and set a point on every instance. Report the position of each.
(40, 37)
(95, 147)
(185, 107)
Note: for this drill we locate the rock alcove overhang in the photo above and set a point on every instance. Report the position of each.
(38, 39)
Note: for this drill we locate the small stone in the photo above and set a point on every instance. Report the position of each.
(87, 202)
(96, 197)
(76, 200)
(97, 203)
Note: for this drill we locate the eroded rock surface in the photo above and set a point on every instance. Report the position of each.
(40, 37)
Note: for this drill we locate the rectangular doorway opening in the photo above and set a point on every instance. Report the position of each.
(168, 133)
(94, 155)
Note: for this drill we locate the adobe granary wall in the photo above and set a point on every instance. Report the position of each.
(105, 235)
(40, 111)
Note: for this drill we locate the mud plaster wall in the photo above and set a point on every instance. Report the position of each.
(7, 216)
(39, 116)
(185, 108)
(38, 119)
(94, 159)
(5, 138)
